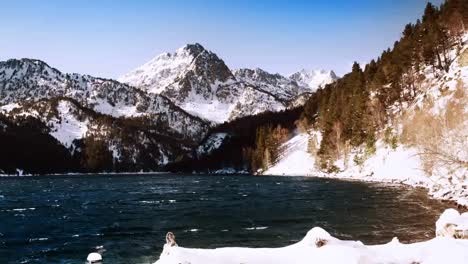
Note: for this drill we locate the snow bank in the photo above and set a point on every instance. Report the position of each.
(318, 246)
(399, 165)
(452, 224)
(387, 165)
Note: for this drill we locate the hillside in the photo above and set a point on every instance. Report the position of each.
(102, 124)
(404, 118)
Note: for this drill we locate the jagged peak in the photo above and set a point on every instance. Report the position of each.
(314, 78)
(256, 71)
(187, 50)
(313, 72)
(192, 48)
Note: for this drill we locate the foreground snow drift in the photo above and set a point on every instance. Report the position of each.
(320, 247)
(452, 224)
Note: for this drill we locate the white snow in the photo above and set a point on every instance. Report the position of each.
(395, 165)
(119, 110)
(214, 110)
(314, 78)
(452, 224)
(159, 72)
(94, 257)
(68, 127)
(8, 107)
(189, 78)
(388, 165)
(294, 160)
(402, 164)
(318, 246)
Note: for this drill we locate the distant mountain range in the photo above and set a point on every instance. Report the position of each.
(150, 116)
(199, 82)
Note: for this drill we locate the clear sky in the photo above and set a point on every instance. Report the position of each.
(107, 38)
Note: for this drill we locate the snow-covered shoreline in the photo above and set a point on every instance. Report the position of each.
(397, 166)
(405, 151)
(318, 246)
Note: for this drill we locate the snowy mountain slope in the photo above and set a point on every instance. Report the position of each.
(28, 79)
(254, 101)
(67, 127)
(279, 86)
(294, 159)
(171, 73)
(193, 78)
(137, 143)
(313, 78)
(199, 82)
(159, 72)
(428, 140)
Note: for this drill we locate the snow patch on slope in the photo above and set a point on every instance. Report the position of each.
(159, 72)
(215, 111)
(400, 165)
(119, 110)
(67, 128)
(387, 165)
(294, 159)
(8, 107)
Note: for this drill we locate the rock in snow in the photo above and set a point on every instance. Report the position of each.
(318, 246)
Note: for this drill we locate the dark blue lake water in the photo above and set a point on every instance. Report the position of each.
(60, 219)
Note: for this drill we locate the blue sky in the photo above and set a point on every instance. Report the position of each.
(108, 38)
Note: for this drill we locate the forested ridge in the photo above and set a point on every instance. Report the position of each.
(354, 110)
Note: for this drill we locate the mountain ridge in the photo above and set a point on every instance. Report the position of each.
(198, 81)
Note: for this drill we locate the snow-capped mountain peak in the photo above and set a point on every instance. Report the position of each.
(193, 49)
(169, 73)
(162, 70)
(314, 78)
(199, 82)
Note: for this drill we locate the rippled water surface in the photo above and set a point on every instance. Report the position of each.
(60, 219)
